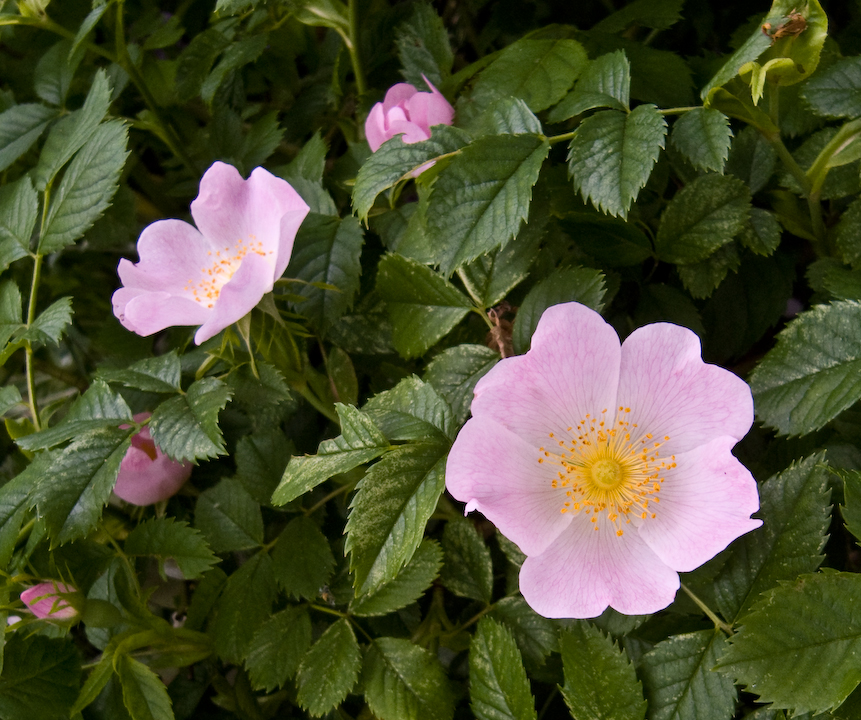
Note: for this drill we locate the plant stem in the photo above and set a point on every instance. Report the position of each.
(331, 496)
(561, 138)
(305, 392)
(719, 624)
(679, 110)
(353, 48)
(789, 161)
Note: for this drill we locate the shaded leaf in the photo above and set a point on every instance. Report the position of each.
(302, 559)
(144, 694)
(229, 518)
(20, 127)
(167, 538)
(468, 569)
(40, 677)
(703, 136)
(498, 686)
(277, 648)
(606, 83)
(329, 669)
(454, 373)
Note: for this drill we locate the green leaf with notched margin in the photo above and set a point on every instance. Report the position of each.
(329, 670)
(389, 512)
(798, 647)
(405, 682)
(327, 251)
(11, 310)
(360, 442)
(19, 209)
(229, 518)
(498, 686)
(302, 559)
(703, 136)
(423, 306)
(583, 285)
(87, 187)
(849, 234)
(612, 155)
(423, 47)
(468, 569)
(761, 234)
(20, 127)
(814, 372)
(539, 72)
(144, 694)
(167, 538)
(600, 682)
(10, 396)
(196, 60)
(395, 161)
(507, 116)
(655, 14)
(702, 278)
(49, 326)
(680, 683)
(406, 587)
(186, 427)
(851, 510)
(606, 83)
(794, 505)
(536, 636)
(15, 501)
(261, 458)
(40, 677)
(277, 648)
(482, 196)
(412, 410)
(454, 373)
(611, 241)
(836, 92)
(159, 374)
(704, 216)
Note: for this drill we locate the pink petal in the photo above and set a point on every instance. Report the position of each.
(397, 95)
(375, 127)
(706, 503)
(411, 133)
(584, 571)
(144, 481)
(671, 391)
(45, 600)
(429, 109)
(497, 473)
(145, 313)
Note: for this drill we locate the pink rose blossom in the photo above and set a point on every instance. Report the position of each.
(147, 475)
(609, 466)
(408, 112)
(46, 600)
(212, 275)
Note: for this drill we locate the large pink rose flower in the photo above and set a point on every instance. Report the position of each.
(408, 112)
(609, 465)
(147, 475)
(214, 274)
(45, 600)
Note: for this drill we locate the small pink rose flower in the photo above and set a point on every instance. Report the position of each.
(212, 275)
(609, 465)
(409, 112)
(45, 600)
(147, 475)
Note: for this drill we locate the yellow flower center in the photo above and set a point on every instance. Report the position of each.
(612, 471)
(224, 264)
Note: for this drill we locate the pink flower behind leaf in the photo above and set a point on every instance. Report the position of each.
(45, 600)
(147, 475)
(609, 465)
(408, 112)
(212, 275)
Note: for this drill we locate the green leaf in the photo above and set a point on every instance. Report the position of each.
(167, 538)
(704, 216)
(327, 251)
(481, 197)
(600, 682)
(606, 82)
(797, 647)
(498, 686)
(611, 241)
(405, 682)
(322, 13)
(761, 234)
(468, 569)
(10, 396)
(612, 156)
(20, 127)
(236, 56)
(88, 24)
(49, 326)
(507, 116)
(812, 375)
(388, 514)
(277, 648)
(10, 311)
(454, 373)
(40, 677)
(54, 72)
(851, 511)
(796, 515)
(412, 410)
(536, 636)
(196, 60)
(260, 462)
(186, 427)
(302, 559)
(702, 278)
(680, 683)
(329, 670)
(836, 92)
(655, 14)
(752, 159)
(229, 518)
(14, 503)
(158, 374)
(583, 285)
(144, 694)
(539, 72)
(703, 136)
(406, 587)
(96, 681)
(360, 442)
(19, 209)
(423, 47)
(87, 187)
(423, 306)
(756, 43)
(663, 303)
(848, 234)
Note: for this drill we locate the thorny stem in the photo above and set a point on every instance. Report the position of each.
(720, 624)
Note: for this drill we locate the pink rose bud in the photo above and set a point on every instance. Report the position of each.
(46, 600)
(408, 112)
(147, 475)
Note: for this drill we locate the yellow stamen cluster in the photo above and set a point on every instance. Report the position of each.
(224, 265)
(608, 468)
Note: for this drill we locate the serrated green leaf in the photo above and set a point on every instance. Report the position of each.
(703, 136)
(229, 518)
(50, 324)
(507, 116)
(851, 510)
(277, 648)
(664, 303)
(583, 285)
(796, 513)
(606, 83)
(54, 72)
(813, 373)
(322, 13)
(498, 686)
(423, 47)
(751, 159)
(196, 60)
(423, 306)
(10, 396)
(702, 278)
(412, 410)
(40, 677)
(405, 682)
(167, 538)
(95, 683)
(755, 44)
(159, 374)
(329, 670)
(679, 680)
(388, 514)
(798, 647)
(536, 636)
(260, 462)
(302, 559)
(704, 215)
(468, 569)
(88, 24)
(186, 427)
(261, 140)
(612, 156)
(454, 373)
(481, 197)
(327, 251)
(611, 241)
(360, 442)
(600, 682)
(836, 92)
(19, 209)
(10, 311)
(849, 234)
(144, 694)
(20, 127)
(761, 234)
(655, 14)
(406, 587)
(236, 56)
(842, 180)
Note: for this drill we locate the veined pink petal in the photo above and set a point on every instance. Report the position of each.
(429, 109)
(375, 127)
(397, 94)
(145, 313)
(171, 253)
(411, 132)
(406, 111)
